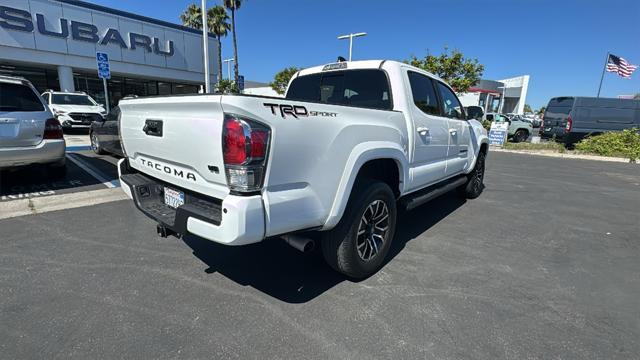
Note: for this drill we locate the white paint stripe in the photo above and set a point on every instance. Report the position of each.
(91, 170)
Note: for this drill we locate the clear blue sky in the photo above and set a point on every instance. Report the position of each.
(561, 43)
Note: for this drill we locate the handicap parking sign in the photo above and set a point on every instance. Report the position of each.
(104, 72)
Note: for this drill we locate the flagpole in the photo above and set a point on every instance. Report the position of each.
(606, 61)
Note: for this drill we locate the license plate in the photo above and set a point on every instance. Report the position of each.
(173, 198)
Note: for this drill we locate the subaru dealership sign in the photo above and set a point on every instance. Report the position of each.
(71, 32)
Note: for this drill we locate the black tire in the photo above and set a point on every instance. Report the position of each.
(57, 171)
(95, 144)
(475, 180)
(520, 135)
(340, 246)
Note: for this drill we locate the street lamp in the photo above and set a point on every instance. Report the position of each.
(350, 37)
(205, 45)
(228, 61)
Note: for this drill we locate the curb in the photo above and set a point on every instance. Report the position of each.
(32, 206)
(564, 156)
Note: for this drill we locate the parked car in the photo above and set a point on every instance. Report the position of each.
(29, 133)
(105, 136)
(350, 143)
(570, 119)
(519, 130)
(74, 109)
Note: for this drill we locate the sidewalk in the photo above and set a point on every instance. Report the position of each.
(550, 153)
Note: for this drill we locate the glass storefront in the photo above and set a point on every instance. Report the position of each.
(118, 86)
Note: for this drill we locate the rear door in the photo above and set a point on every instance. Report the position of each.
(22, 115)
(431, 133)
(556, 115)
(458, 131)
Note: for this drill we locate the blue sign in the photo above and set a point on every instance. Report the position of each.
(104, 72)
(497, 137)
(241, 82)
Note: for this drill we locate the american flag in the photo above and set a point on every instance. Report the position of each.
(620, 66)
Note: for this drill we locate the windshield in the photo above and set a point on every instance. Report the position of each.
(72, 99)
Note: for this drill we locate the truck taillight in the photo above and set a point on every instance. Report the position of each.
(245, 145)
(569, 125)
(52, 130)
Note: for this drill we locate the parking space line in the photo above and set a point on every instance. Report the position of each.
(93, 171)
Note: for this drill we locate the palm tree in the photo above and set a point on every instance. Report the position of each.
(234, 5)
(218, 24)
(192, 17)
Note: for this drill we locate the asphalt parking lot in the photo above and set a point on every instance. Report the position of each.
(544, 265)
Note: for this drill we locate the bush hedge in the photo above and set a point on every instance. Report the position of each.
(624, 143)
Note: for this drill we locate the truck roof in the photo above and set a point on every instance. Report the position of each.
(361, 64)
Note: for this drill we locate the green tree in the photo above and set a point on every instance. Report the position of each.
(452, 67)
(542, 110)
(192, 17)
(527, 109)
(226, 86)
(234, 5)
(282, 78)
(217, 23)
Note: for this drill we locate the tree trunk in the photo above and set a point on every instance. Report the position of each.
(219, 59)
(235, 45)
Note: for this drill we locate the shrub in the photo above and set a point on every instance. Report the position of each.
(624, 143)
(486, 124)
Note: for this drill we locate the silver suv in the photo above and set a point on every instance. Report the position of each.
(29, 133)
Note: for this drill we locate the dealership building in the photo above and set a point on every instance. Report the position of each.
(507, 96)
(53, 43)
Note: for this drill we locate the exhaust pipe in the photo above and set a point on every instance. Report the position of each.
(300, 243)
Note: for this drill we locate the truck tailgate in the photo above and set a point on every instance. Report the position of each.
(177, 140)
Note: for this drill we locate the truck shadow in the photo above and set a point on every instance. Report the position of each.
(284, 273)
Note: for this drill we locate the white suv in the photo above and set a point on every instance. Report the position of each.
(74, 109)
(29, 133)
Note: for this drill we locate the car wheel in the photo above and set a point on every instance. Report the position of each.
(95, 144)
(358, 245)
(475, 183)
(520, 136)
(57, 170)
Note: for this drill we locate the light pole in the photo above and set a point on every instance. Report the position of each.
(205, 45)
(229, 61)
(350, 37)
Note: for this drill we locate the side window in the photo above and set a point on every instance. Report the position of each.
(450, 104)
(490, 117)
(424, 94)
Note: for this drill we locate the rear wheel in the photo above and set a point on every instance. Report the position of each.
(521, 135)
(358, 245)
(95, 144)
(475, 180)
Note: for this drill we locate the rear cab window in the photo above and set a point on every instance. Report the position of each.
(367, 88)
(19, 98)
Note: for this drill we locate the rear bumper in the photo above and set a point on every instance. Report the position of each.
(234, 220)
(48, 151)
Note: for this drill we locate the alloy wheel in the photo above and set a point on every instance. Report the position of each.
(373, 230)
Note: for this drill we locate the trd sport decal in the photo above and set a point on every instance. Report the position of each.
(296, 111)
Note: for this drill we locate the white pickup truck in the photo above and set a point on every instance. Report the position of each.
(333, 161)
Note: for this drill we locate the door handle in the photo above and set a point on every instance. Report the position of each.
(453, 132)
(423, 131)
